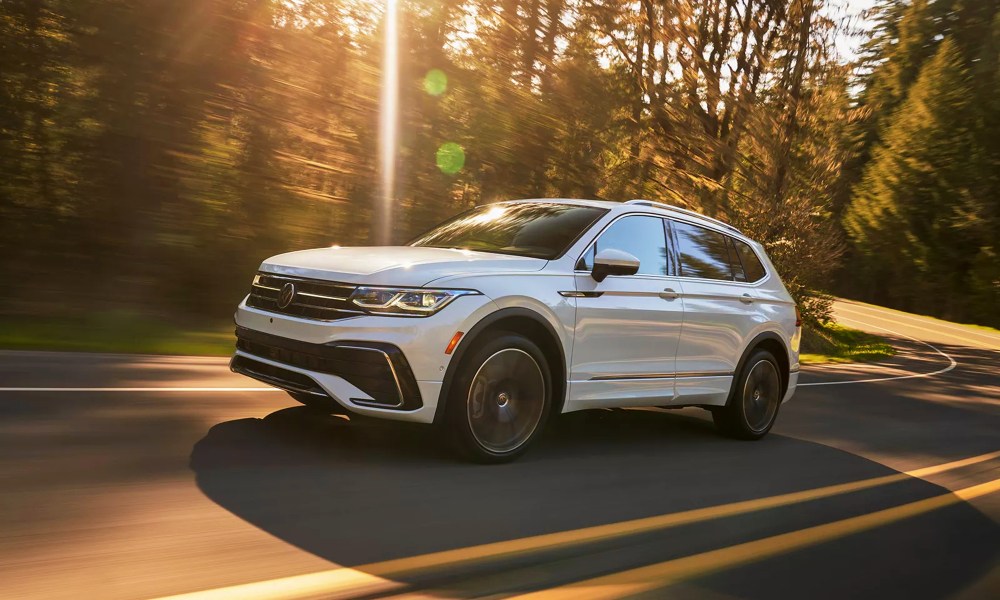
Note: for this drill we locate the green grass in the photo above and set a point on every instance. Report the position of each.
(117, 332)
(832, 343)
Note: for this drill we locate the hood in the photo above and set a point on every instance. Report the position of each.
(407, 266)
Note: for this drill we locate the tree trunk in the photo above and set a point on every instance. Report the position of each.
(794, 95)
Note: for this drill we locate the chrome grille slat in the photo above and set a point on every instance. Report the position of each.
(307, 305)
(321, 296)
(279, 280)
(314, 298)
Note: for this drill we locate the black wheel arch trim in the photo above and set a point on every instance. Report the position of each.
(751, 347)
(469, 338)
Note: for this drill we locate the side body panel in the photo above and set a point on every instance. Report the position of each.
(719, 320)
(626, 340)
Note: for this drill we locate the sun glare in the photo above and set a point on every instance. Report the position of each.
(489, 216)
(388, 119)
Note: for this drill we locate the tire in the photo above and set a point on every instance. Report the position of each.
(500, 398)
(754, 401)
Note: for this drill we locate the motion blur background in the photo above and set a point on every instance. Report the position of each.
(153, 152)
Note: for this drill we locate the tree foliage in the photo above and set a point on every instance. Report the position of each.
(156, 150)
(923, 219)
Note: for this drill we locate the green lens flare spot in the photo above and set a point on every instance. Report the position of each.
(450, 158)
(435, 82)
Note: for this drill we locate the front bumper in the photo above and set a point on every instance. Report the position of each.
(386, 367)
(374, 374)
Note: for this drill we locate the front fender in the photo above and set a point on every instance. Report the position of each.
(468, 344)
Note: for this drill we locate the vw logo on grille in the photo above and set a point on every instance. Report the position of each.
(286, 295)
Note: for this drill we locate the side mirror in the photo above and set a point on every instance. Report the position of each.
(613, 262)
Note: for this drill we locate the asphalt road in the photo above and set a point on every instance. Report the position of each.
(153, 476)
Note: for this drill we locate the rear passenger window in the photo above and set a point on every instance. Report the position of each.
(642, 237)
(734, 259)
(751, 264)
(702, 252)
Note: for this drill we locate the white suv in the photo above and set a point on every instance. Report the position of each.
(513, 311)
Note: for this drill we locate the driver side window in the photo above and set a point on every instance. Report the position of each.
(641, 236)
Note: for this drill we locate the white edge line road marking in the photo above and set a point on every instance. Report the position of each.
(139, 389)
(969, 329)
(951, 360)
(370, 579)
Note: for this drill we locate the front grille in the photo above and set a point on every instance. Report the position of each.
(380, 370)
(313, 299)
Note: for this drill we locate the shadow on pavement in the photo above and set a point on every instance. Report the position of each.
(356, 493)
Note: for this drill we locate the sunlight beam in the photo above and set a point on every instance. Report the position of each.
(389, 119)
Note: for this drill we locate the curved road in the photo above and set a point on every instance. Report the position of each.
(143, 477)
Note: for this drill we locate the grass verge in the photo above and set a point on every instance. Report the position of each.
(833, 343)
(117, 332)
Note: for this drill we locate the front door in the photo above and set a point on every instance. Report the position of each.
(627, 327)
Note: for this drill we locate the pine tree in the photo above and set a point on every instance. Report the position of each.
(984, 278)
(909, 217)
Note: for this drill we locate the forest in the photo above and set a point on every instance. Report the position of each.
(153, 152)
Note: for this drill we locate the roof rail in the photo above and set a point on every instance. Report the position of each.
(683, 211)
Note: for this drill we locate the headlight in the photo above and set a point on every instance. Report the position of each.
(412, 302)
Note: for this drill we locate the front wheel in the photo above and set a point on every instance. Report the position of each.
(754, 400)
(500, 399)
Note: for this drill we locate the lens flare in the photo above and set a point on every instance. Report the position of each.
(389, 117)
(435, 82)
(450, 158)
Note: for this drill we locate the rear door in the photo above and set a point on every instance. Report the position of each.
(719, 312)
(627, 327)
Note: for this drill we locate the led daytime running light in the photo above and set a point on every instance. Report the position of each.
(413, 302)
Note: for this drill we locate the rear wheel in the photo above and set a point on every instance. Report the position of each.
(754, 400)
(500, 399)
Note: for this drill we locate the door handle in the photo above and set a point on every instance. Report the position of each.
(746, 299)
(669, 294)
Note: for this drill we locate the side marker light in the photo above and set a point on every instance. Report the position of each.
(454, 342)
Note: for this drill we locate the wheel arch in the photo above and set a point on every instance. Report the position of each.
(526, 322)
(773, 343)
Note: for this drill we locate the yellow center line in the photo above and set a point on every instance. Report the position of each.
(373, 578)
(645, 579)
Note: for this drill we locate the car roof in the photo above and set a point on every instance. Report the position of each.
(606, 204)
(660, 207)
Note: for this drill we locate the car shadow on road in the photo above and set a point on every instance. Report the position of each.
(357, 493)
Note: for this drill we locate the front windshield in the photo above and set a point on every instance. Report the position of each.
(538, 230)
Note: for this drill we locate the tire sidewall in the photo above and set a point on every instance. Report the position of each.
(460, 429)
